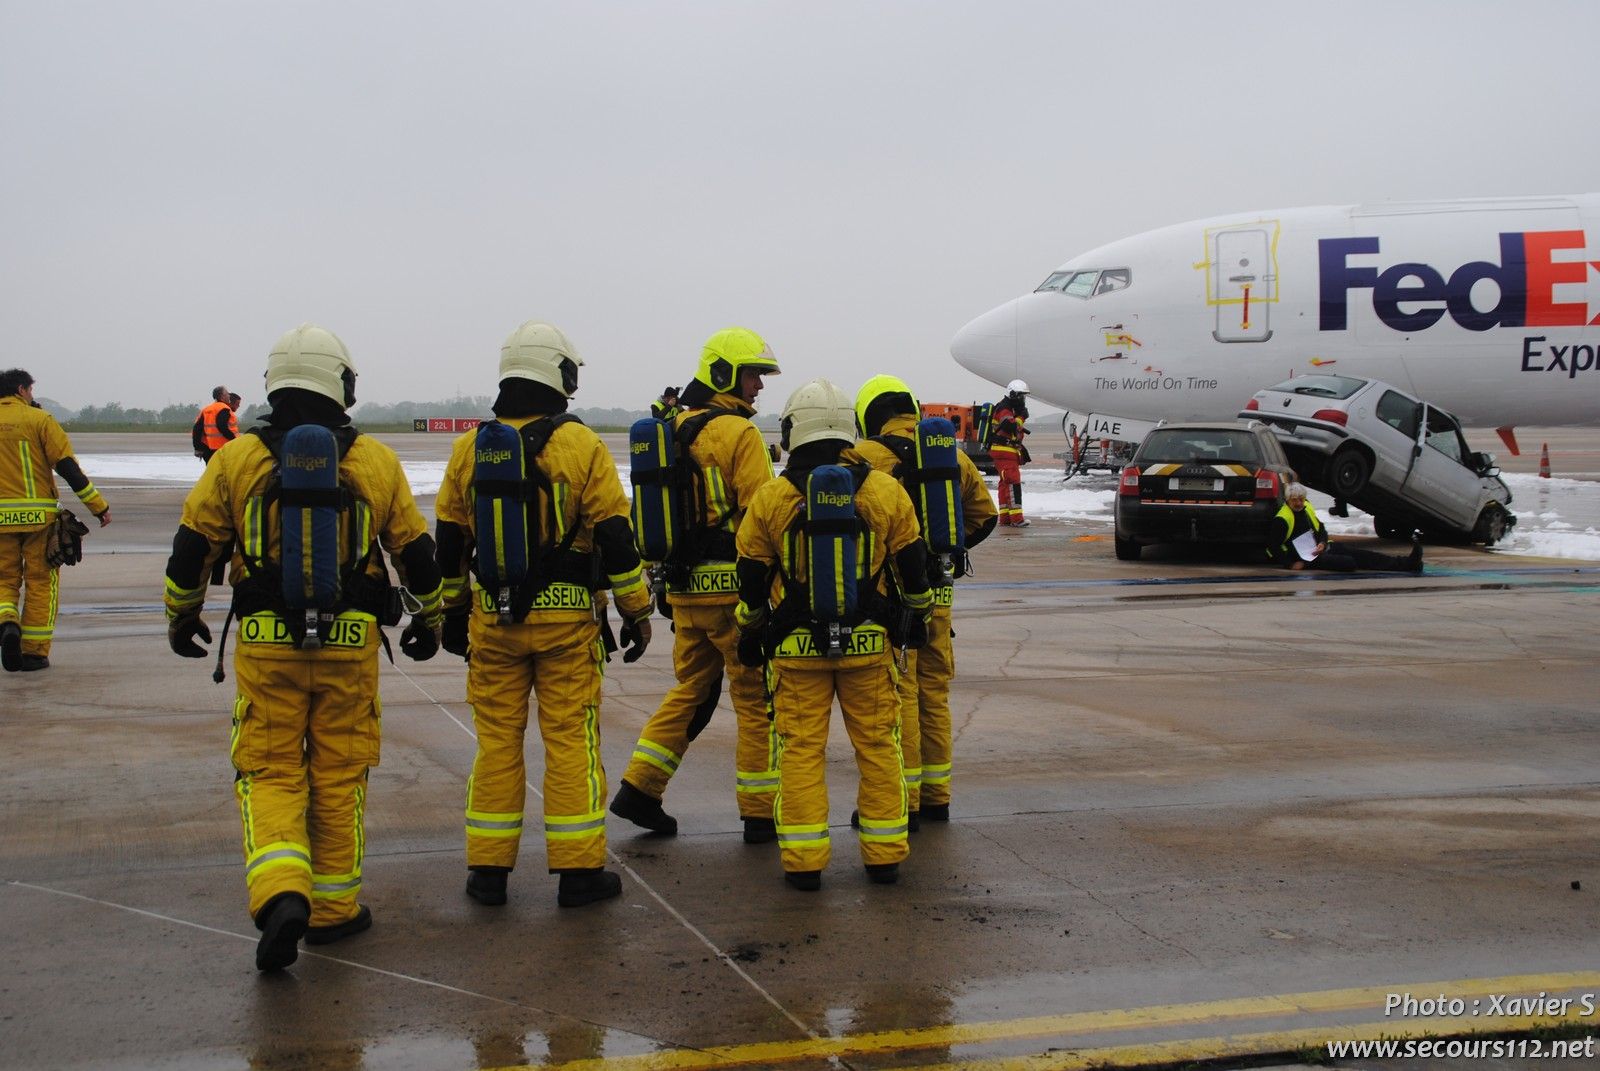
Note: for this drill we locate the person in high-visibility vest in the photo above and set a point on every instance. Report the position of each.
(1006, 449)
(34, 450)
(215, 427)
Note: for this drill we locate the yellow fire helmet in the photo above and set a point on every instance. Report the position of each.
(728, 353)
(315, 359)
(876, 388)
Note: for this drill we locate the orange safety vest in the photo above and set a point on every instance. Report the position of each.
(208, 424)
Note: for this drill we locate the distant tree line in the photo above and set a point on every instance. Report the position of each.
(180, 417)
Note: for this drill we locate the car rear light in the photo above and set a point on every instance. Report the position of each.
(1332, 416)
(1267, 484)
(1252, 404)
(1129, 485)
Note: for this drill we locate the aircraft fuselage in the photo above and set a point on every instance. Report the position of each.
(1490, 309)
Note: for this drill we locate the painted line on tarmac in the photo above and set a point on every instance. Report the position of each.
(1241, 1045)
(1369, 998)
(721, 955)
(304, 952)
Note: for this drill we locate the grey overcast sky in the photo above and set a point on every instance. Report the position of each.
(182, 182)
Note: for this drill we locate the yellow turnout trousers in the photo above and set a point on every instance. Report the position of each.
(803, 694)
(562, 663)
(23, 569)
(705, 643)
(306, 727)
(935, 669)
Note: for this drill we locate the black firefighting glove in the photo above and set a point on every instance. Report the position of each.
(454, 638)
(181, 632)
(750, 652)
(635, 638)
(419, 642)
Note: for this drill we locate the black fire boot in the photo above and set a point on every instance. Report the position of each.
(1414, 562)
(282, 923)
(935, 812)
(643, 810)
(760, 830)
(326, 935)
(31, 662)
(11, 646)
(804, 880)
(580, 887)
(883, 873)
(487, 884)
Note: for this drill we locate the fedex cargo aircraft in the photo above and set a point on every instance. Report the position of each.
(1488, 308)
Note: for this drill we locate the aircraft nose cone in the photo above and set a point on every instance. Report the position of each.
(988, 345)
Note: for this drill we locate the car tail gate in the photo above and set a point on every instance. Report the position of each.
(1195, 483)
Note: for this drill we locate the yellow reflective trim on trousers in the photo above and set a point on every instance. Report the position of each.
(803, 838)
(936, 775)
(335, 886)
(913, 775)
(280, 853)
(240, 704)
(574, 826)
(878, 831)
(8, 609)
(755, 781)
(591, 744)
(663, 758)
(494, 823)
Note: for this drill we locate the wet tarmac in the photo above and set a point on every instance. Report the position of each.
(1201, 809)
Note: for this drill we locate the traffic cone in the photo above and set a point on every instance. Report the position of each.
(1544, 461)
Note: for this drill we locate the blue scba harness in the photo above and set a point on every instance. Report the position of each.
(517, 555)
(659, 508)
(937, 480)
(930, 470)
(309, 503)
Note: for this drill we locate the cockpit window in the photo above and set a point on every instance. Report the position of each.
(1082, 284)
(1113, 279)
(1087, 283)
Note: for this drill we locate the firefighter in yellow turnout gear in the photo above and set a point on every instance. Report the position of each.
(548, 641)
(777, 622)
(732, 464)
(307, 720)
(33, 451)
(887, 414)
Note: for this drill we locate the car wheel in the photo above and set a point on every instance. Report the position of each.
(1348, 471)
(1389, 528)
(1491, 526)
(1127, 549)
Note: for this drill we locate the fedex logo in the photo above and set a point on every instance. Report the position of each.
(1526, 278)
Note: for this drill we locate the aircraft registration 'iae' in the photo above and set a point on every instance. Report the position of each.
(1488, 308)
